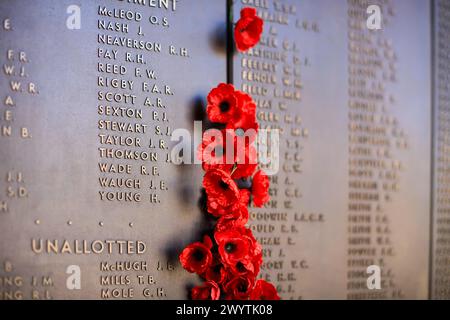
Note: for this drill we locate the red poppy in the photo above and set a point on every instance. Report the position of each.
(227, 151)
(208, 291)
(254, 260)
(197, 257)
(244, 198)
(216, 272)
(240, 287)
(248, 29)
(239, 217)
(222, 192)
(264, 291)
(244, 117)
(254, 264)
(247, 266)
(232, 107)
(246, 158)
(227, 222)
(212, 151)
(239, 250)
(222, 103)
(260, 188)
(233, 246)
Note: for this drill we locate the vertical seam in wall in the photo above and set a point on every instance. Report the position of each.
(230, 40)
(433, 146)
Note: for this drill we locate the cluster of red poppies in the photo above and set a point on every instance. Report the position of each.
(230, 262)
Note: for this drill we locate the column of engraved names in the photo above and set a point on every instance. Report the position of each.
(271, 73)
(374, 138)
(19, 89)
(133, 125)
(20, 93)
(133, 121)
(441, 260)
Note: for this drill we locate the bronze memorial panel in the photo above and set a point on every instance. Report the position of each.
(353, 107)
(85, 145)
(440, 282)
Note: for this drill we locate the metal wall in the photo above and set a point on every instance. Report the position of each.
(90, 95)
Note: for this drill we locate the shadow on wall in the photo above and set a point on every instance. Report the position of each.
(186, 176)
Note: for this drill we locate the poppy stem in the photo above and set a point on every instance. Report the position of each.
(234, 169)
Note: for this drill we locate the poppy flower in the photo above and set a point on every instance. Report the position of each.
(233, 246)
(216, 272)
(222, 192)
(260, 188)
(240, 287)
(248, 29)
(227, 151)
(212, 151)
(256, 260)
(252, 262)
(239, 217)
(197, 257)
(236, 220)
(207, 291)
(239, 250)
(264, 290)
(246, 158)
(244, 117)
(244, 198)
(222, 103)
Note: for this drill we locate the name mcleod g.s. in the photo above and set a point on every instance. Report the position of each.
(62, 246)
